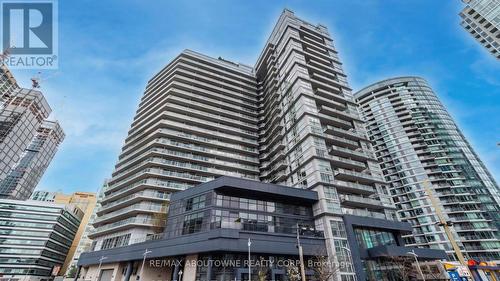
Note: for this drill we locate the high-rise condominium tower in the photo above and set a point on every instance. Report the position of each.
(423, 154)
(22, 112)
(291, 120)
(197, 120)
(481, 18)
(27, 172)
(28, 141)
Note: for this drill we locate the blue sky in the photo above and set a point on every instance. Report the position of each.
(109, 49)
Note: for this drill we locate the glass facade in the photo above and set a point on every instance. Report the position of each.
(44, 231)
(368, 238)
(481, 18)
(216, 210)
(429, 164)
(28, 142)
(234, 267)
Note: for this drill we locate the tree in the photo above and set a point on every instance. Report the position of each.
(397, 268)
(71, 272)
(292, 271)
(324, 268)
(262, 270)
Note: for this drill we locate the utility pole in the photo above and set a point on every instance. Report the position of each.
(418, 264)
(301, 256)
(445, 224)
(146, 252)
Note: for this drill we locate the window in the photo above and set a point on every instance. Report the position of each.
(114, 242)
(192, 223)
(338, 229)
(195, 203)
(369, 238)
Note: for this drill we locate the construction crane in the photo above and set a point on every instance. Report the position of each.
(445, 224)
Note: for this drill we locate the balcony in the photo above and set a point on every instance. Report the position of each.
(361, 177)
(116, 193)
(125, 224)
(347, 114)
(133, 209)
(321, 100)
(336, 96)
(361, 202)
(357, 154)
(350, 133)
(331, 139)
(364, 213)
(354, 187)
(276, 167)
(334, 121)
(347, 163)
(133, 198)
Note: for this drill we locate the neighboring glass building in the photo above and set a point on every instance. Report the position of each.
(424, 155)
(481, 18)
(7, 83)
(86, 202)
(28, 141)
(35, 238)
(291, 120)
(22, 112)
(27, 172)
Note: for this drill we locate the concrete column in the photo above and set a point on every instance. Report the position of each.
(209, 268)
(77, 273)
(175, 277)
(128, 273)
(189, 272)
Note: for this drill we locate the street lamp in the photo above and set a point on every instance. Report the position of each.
(180, 275)
(349, 256)
(412, 253)
(146, 252)
(99, 268)
(347, 249)
(249, 261)
(301, 255)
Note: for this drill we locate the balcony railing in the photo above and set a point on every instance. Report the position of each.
(129, 222)
(364, 213)
(361, 201)
(354, 187)
(135, 207)
(150, 194)
(359, 176)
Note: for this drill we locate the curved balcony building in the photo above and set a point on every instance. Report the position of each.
(424, 155)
